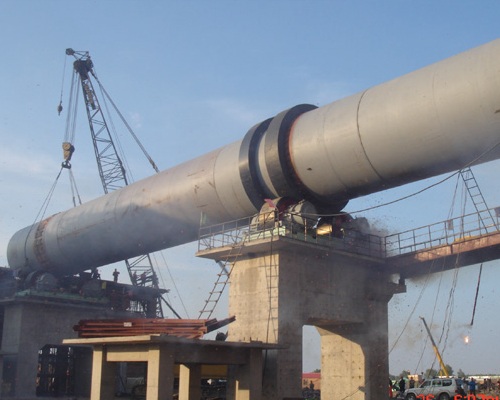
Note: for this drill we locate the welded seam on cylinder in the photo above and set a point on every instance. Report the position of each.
(39, 244)
(361, 139)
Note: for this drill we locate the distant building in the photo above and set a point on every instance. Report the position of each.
(311, 377)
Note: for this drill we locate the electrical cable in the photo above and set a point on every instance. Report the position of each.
(414, 193)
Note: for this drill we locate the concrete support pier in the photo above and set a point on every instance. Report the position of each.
(279, 284)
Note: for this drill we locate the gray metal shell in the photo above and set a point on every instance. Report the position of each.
(428, 122)
(431, 121)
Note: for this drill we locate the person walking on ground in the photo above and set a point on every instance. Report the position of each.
(411, 383)
(402, 385)
(472, 386)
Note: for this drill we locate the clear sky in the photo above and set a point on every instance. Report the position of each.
(191, 76)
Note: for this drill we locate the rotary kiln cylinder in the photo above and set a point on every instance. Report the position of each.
(434, 120)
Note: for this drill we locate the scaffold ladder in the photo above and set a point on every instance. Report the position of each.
(486, 218)
(221, 282)
(272, 276)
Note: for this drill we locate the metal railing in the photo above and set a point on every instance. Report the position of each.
(266, 225)
(459, 229)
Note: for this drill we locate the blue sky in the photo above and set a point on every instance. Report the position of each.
(191, 76)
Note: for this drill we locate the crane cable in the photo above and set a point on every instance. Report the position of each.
(149, 158)
(74, 190)
(60, 107)
(69, 134)
(451, 296)
(43, 209)
(422, 292)
(479, 276)
(436, 299)
(452, 290)
(449, 308)
(132, 133)
(151, 161)
(171, 279)
(70, 137)
(45, 204)
(477, 292)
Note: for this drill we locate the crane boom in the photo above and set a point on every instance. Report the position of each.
(436, 351)
(111, 170)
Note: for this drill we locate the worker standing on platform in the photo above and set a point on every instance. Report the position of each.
(115, 275)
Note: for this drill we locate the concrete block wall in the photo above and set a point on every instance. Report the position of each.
(30, 324)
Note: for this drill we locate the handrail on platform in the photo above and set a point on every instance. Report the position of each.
(266, 225)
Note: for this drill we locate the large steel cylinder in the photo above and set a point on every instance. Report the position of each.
(431, 121)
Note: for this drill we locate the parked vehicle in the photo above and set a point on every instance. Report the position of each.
(440, 388)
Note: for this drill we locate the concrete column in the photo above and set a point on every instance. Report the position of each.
(248, 378)
(280, 286)
(354, 357)
(376, 349)
(103, 376)
(160, 380)
(189, 382)
(342, 367)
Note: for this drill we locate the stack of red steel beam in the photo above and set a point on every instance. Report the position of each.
(187, 328)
